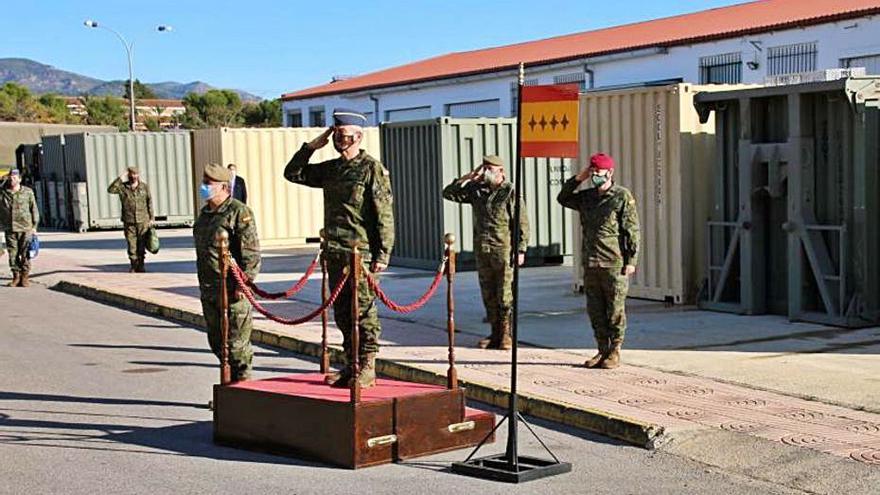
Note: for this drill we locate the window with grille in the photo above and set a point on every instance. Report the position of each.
(316, 117)
(470, 109)
(514, 94)
(721, 69)
(577, 77)
(792, 59)
(295, 119)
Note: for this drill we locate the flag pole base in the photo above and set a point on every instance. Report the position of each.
(501, 468)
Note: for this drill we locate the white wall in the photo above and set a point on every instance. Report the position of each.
(836, 41)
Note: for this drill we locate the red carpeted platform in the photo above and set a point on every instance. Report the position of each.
(300, 415)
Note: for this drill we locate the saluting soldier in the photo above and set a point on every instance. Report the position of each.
(224, 213)
(137, 215)
(19, 217)
(610, 246)
(357, 209)
(492, 201)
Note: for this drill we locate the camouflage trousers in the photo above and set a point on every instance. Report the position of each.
(496, 283)
(606, 291)
(369, 328)
(17, 246)
(136, 237)
(241, 353)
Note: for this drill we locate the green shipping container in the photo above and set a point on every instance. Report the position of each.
(424, 156)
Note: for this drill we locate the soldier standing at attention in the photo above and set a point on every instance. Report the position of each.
(137, 215)
(610, 227)
(19, 217)
(357, 208)
(492, 200)
(222, 212)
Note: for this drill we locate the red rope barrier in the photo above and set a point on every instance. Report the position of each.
(409, 308)
(289, 292)
(240, 278)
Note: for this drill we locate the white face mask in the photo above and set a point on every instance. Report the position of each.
(493, 177)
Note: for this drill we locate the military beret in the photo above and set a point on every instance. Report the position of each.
(217, 173)
(345, 116)
(602, 161)
(493, 160)
(133, 170)
(14, 171)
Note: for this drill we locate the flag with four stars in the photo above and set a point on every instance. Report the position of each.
(549, 121)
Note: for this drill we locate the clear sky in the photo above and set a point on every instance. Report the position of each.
(270, 47)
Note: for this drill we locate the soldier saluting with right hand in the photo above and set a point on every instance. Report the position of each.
(610, 246)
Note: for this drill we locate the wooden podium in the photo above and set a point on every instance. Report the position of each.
(300, 415)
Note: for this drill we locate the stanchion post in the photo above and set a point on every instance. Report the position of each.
(451, 373)
(355, 272)
(223, 249)
(325, 355)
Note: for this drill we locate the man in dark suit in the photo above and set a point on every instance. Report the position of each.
(237, 185)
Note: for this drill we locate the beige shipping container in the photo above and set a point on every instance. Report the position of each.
(664, 156)
(287, 214)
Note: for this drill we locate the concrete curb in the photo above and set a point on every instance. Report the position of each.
(629, 430)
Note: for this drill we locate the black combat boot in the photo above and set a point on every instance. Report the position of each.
(139, 266)
(133, 267)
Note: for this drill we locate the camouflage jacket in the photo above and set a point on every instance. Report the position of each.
(18, 210)
(609, 224)
(357, 200)
(493, 211)
(137, 204)
(244, 245)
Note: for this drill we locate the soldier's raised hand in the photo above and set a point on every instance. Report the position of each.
(584, 174)
(321, 141)
(628, 270)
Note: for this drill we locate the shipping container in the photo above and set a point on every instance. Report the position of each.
(14, 134)
(286, 214)
(424, 156)
(96, 160)
(663, 155)
(795, 219)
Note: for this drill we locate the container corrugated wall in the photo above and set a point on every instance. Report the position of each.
(97, 159)
(286, 214)
(424, 156)
(663, 155)
(14, 134)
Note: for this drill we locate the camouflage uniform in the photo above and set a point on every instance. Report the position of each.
(357, 208)
(137, 215)
(244, 246)
(19, 217)
(493, 211)
(610, 241)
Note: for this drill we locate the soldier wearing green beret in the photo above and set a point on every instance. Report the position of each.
(610, 245)
(357, 209)
(19, 217)
(492, 201)
(137, 214)
(223, 213)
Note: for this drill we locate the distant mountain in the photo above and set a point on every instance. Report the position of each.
(41, 78)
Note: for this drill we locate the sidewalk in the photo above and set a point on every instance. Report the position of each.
(687, 372)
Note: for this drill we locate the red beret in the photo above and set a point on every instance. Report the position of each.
(602, 161)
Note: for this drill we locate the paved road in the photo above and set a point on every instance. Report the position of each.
(96, 399)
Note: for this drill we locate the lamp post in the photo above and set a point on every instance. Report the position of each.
(128, 47)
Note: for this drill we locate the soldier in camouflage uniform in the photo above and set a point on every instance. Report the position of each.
(357, 209)
(222, 212)
(137, 215)
(19, 217)
(492, 201)
(610, 227)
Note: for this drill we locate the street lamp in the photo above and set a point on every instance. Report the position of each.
(128, 47)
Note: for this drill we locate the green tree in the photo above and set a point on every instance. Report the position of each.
(17, 104)
(54, 110)
(215, 108)
(266, 113)
(141, 91)
(105, 110)
(152, 124)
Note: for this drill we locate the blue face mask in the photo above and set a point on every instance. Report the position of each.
(205, 192)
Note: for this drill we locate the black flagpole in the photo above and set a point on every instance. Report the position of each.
(510, 466)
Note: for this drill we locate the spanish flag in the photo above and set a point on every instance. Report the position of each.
(549, 121)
